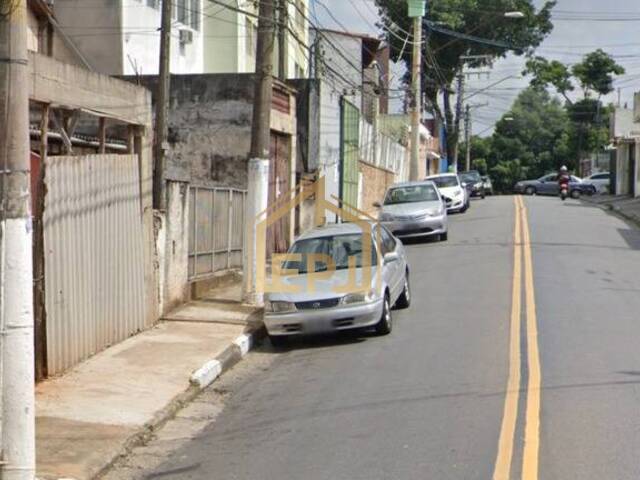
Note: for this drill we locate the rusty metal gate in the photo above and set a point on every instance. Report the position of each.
(216, 230)
(93, 243)
(278, 234)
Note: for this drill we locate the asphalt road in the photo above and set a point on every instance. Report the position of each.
(431, 401)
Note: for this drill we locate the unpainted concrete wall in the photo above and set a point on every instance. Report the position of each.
(377, 180)
(210, 128)
(175, 287)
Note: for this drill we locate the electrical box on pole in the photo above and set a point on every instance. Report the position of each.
(417, 8)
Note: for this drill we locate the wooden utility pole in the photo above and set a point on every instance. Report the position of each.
(17, 402)
(258, 167)
(162, 107)
(459, 103)
(416, 12)
(467, 136)
(260, 132)
(283, 50)
(416, 103)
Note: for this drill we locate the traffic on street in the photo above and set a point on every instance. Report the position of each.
(319, 240)
(517, 358)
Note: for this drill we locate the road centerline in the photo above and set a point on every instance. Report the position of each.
(502, 470)
(530, 463)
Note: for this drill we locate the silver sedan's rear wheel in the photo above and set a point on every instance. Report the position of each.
(404, 300)
(385, 325)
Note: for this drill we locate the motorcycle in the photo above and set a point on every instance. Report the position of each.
(564, 187)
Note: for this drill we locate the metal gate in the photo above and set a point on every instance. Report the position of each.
(216, 229)
(349, 152)
(93, 243)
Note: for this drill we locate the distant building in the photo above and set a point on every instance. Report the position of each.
(122, 38)
(230, 38)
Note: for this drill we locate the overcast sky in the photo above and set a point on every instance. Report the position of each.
(581, 26)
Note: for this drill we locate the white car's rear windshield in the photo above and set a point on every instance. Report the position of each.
(444, 182)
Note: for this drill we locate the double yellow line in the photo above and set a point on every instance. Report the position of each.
(506, 443)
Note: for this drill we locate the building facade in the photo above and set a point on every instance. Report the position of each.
(230, 38)
(122, 38)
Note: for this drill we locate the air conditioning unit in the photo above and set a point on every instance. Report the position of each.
(186, 36)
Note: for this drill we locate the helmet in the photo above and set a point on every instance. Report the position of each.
(563, 169)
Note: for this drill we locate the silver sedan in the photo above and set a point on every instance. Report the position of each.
(313, 299)
(415, 209)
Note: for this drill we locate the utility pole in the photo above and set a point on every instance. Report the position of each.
(459, 101)
(162, 106)
(416, 11)
(283, 54)
(17, 400)
(467, 136)
(258, 168)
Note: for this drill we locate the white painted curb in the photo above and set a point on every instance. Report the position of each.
(205, 375)
(243, 342)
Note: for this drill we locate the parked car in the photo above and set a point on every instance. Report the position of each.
(601, 181)
(473, 181)
(414, 209)
(450, 187)
(548, 185)
(323, 308)
(488, 185)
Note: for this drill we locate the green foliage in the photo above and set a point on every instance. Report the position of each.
(551, 73)
(532, 139)
(595, 72)
(480, 18)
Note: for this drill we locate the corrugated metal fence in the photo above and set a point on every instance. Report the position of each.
(93, 240)
(216, 229)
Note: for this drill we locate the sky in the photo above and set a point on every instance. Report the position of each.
(580, 26)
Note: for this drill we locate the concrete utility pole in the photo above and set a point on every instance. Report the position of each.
(258, 168)
(162, 106)
(17, 401)
(467, 136)
(416, 11)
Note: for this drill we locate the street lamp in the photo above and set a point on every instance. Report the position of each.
(516, 14)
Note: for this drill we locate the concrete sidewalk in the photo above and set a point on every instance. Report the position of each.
(102, 408)
(624, 205)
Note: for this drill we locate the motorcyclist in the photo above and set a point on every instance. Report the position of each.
(563, 177)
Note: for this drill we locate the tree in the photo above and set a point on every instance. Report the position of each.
(532, 139)
(594, 74)
(486, 32)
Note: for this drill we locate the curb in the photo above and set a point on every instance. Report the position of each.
(616, 210)
(200, 379)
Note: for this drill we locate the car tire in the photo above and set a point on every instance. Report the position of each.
(444, 236)
(575, 194)
(385, 324)
(483, 195)
(278, 341)
(404, 300)
(530, 191)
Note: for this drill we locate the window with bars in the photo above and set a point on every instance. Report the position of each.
(182, 11)
(195, 14)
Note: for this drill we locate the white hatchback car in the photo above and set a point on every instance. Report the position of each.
(454, 192)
